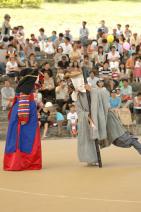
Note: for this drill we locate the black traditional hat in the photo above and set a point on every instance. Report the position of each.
(27, 81)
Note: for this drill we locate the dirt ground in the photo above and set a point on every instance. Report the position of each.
(65, 185)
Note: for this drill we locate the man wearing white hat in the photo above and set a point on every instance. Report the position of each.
(44, 118)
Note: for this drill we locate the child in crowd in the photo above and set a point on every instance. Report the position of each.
(38, 99)
(72, 119)
(44, 118)
(60, 119)
(115, 101)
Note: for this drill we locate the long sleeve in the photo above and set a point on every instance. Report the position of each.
(23, 109)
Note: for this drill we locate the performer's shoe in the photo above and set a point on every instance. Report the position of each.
(92, 164)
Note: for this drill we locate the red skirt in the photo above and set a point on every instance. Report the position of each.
(19, 161)
(137, 72)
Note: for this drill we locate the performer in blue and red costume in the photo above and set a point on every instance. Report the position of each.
(23, 145)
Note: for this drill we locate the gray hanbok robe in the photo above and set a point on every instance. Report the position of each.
(86, 138)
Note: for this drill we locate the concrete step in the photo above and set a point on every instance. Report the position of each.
(3, 116)
(52, 132)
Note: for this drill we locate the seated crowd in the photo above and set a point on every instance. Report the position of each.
(110, 64)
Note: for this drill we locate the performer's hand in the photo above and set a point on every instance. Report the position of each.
(87, 87)
(67, 75)
(23, 123)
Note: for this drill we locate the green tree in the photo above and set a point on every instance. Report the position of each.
(19, 3)
(32, 3)
(10, 3)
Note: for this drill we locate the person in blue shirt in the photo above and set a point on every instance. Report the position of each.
(53, 36)
(60, 119)
(115, 101)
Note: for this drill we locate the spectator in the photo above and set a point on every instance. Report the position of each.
(34, 40)
(111, 84)
(12, 69)
(123, 71)
(29, 48)
(32, 63)
(104, 29)
(44, 118)
(7, 95)
(75, 54)
(60, 119)
(61, 94)
(60, 75)
(2, 59)
(38, 98)
(105, 45)
(100, 58)
(6, 27)
(48, 88)
(66, 46)
(86, 65)
(119, 31)
(92, 79)
(58, 56)
(72, 119)
(127, 33)
(49, 48)
(64, 63)
(105, 72)
(91, 49)
(137, 108)
(53, 37)
(126, 93)
(137, 70)
(67, 34)
(130, 64)
(115, 74)
(115, 101)
(135, 40)
(113, 58)
(42, 37)
(59, 40)
(84, 34)
(46, 68)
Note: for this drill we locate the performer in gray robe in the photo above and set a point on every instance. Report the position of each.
(109, 130)
(107, 127)
(86, 133)
(86, 146)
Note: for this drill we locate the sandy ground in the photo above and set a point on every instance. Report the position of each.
(65, 185)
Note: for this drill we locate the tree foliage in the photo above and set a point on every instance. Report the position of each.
(20, 3)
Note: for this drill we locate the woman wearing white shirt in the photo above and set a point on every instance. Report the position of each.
(49, 48)
(113, 57)
(12, 67)
(66, 46)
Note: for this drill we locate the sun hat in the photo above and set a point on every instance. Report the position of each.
(48, 104)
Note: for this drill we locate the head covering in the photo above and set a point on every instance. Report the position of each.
(27, 81)
(7, 16)
(48, 104)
